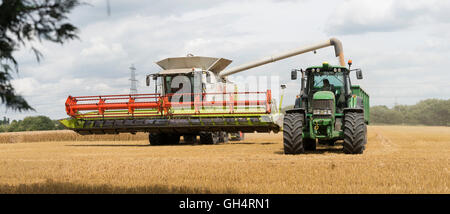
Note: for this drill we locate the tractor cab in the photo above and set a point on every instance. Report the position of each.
(326, 87)
(327, 82)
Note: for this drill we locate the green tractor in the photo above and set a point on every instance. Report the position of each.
(329, 108)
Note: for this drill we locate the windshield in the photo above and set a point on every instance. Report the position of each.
(335, 79)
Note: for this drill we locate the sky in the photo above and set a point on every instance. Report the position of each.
(402, 47)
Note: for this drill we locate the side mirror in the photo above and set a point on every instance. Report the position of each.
(359, 74)
(147, 80)
(294, 74)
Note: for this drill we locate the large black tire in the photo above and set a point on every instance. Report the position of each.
(292, 133)
(355, 133)
(209, 138)
(155, 139)
(172, 139)
(309, 144)
(190, 139)
(223, 137)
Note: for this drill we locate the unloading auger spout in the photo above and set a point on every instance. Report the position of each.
(338, 49)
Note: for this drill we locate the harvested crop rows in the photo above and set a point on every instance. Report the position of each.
(398, 159)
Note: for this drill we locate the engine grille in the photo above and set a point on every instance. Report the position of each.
(323, 104)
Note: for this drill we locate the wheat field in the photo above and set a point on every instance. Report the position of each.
(398, 159)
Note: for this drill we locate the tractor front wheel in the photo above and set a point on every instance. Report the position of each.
(355, 133)
(292, 133)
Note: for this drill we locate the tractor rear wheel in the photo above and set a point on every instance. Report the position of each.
(309, 144)
(292, 133)
(209, 138)
(355, 133)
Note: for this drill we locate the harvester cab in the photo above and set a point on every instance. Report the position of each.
(190, 75)
(328, 109)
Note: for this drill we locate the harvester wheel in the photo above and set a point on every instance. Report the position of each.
(292, 133)
(172, 139)
(209, 138)
(223, 137)
(189, 139)
(309, 144)
(355, 133)
(155, 139)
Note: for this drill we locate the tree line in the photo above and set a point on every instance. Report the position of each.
(430, 112)
(32, 123)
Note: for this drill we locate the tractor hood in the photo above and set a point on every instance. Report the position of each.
(323, 95)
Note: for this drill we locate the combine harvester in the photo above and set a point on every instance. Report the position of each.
(195, 99)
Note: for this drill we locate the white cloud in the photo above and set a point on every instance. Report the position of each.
(362, 16)
(402, 46)
(25, 86)
(100, 49)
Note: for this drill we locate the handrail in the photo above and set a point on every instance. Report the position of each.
(144, 105)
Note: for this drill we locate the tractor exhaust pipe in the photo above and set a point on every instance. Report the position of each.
(338, 49)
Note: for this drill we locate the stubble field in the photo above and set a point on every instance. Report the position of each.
(398, 159)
